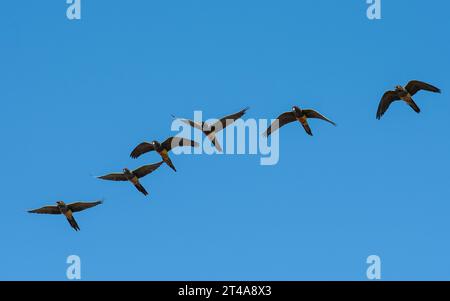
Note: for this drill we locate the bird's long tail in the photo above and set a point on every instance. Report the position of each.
(141, 188)
(414, 106)
(169, 162)
(73, 223)
(307, 128)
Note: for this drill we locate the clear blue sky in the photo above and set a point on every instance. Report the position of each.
(77, 96)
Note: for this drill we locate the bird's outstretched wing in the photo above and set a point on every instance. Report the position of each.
(46, 210)
(142, 148)
(146, 169)
(388, 98)
(80, 206)
(282, 120)
(315, 114)
(114, 177)
(415, 86)
(173, 142)
(197, 125)
(227, 120)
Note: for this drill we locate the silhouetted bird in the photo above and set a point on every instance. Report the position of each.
(405, 94)
(299, 115)
(162, 148)
(133, 176)
(66, 210)
(210, 130)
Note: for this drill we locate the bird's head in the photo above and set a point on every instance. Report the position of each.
(296, 110)
(126, 170)
(60, 203)
(398, 88)
(156, 144)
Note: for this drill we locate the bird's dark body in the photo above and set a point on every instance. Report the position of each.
(68, 214)
(129, 175)
(158, 147)
(62, 207)
(303, 119)
(208, 129)
(134, 180)
(164, 153)
(402, 93)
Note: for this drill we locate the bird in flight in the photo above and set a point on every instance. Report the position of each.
(210, 130)
(67, 210)
(405, 94)
(162, 148)
(133, 176)
(296, 114)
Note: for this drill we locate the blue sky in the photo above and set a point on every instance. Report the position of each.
(77, 96)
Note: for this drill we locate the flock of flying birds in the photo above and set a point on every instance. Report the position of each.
(210, 130)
